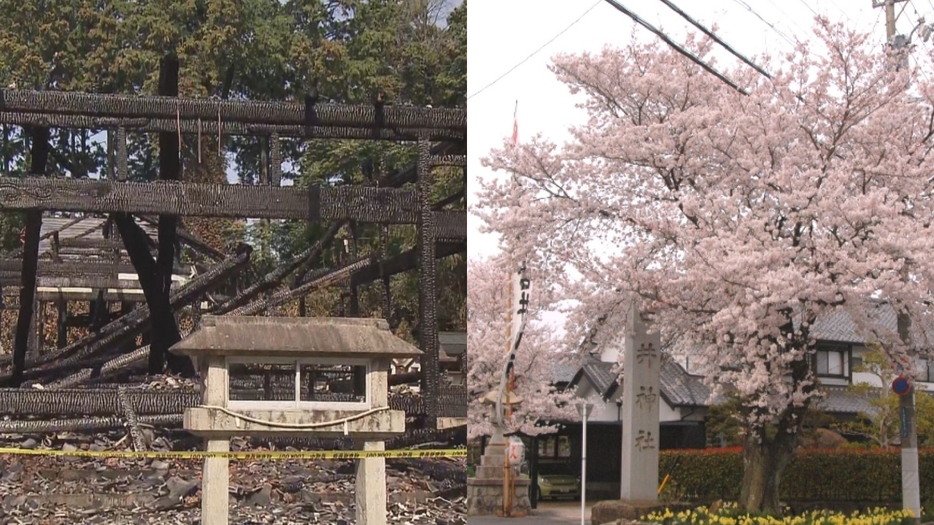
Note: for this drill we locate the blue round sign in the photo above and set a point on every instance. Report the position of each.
(901, 386)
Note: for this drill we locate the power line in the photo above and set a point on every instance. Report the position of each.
(675, 46)
(526, 59)
(766, 22)
(809, 7)
(715, 38)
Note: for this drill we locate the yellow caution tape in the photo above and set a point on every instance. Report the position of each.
(275, 454)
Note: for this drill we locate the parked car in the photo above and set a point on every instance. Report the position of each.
(557, 481)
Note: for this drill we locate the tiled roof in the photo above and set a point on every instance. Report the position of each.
(563, 373)
(601, 375)
(841, 400)
(838, 326)
(677, 386)
(453, 343)
(683, 389)
(86, 228)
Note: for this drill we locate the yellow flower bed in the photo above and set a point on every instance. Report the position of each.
(730, 514)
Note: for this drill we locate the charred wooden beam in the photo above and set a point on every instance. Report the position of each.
(106, 369)
(363, 204)
(103, 401)
(25, 323)
(403, 262)
(95, 282)
(131, 419)
(164, 326)
(427, 286)
(83, 268)
(98, 244)
(189, 239)
(448, 160)
(193, 127)
(133, 323)
(449, 225)
(317, 282)
(89, 294)
(88, 424)
(273, 278)
(210, 110)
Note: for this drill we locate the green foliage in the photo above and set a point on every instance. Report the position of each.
(344, 50)
(883, 425)
(869, 476)
(724, 424)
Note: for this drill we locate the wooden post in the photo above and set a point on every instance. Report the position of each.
(27, 294)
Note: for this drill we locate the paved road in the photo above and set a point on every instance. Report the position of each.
(547, 513)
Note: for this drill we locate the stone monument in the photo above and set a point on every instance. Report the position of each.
(279, 376)
(485, 491)
(641, 398)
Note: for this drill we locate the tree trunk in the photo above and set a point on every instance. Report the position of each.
(762, 469)
(763, 464)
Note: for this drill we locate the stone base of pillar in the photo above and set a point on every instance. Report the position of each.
(485, 492)
(485, 497)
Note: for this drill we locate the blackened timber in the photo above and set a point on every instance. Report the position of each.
(113, 295)
(191, 199)
(130, 325)
(164, 326)
(317, 282)
(106, 369)
(191, 127)
(189, 239)
(449, 225)
(362, 204)
(81, 242)
(448, 160)
(427, 287)
(96, 282)
(273, 278)
(384, 205)
(403, 262)
(86, 424)
(84, 268)
(210, 110)
(25, 321)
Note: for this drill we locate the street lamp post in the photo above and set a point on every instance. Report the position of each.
(584, 408)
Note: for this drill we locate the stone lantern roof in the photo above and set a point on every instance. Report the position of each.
(294, 337)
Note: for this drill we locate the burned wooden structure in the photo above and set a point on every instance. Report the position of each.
(128, 253)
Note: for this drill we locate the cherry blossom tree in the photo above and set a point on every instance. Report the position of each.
(487, 291)
(739, 220)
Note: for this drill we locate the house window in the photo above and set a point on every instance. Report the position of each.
(832, 360)
(926, 370)
(290, 384)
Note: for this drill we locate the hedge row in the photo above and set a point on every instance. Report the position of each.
(818, 475)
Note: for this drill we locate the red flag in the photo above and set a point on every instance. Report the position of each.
(515, 125)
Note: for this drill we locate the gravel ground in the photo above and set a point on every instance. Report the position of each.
(59, 490)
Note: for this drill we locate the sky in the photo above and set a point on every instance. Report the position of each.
(502, 34)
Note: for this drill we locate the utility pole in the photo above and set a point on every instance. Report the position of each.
(890, 17)
(911, 490)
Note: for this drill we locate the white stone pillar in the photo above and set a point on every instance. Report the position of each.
(370, 490)
(640, 411)
(215, 477)
(214, 484)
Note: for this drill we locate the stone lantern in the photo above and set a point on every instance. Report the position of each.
(308, 377)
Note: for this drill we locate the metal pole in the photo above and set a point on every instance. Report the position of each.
(584, 468)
